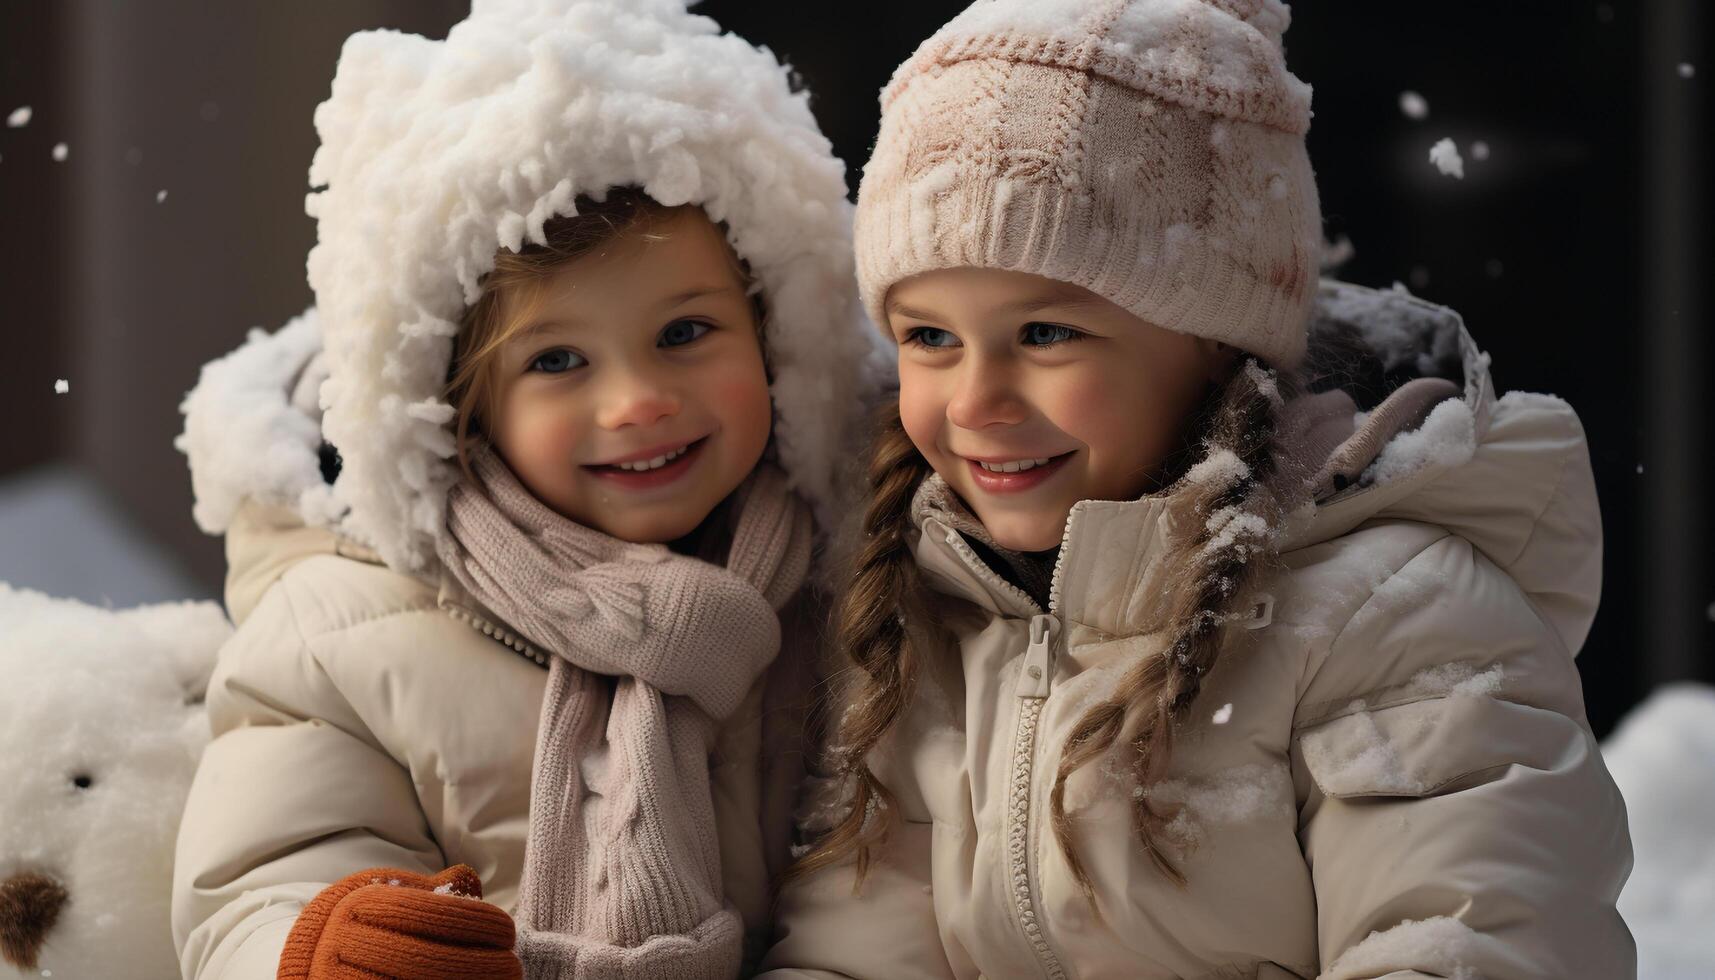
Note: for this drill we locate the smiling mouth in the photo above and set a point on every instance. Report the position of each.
(1017, 465)
(1014, 474)
(647, 465)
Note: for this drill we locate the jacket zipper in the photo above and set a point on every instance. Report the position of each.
(1035, 682)
(1033, 685)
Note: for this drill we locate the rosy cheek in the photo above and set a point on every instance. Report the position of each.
(923, 412)
(537, 428)
(743, 399)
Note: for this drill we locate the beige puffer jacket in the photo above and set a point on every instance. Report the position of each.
(363, 716)
(1388, 773)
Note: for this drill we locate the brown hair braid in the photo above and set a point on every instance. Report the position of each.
(884, 595)
(1155, 694)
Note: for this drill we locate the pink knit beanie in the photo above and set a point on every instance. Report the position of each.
(1151, 151)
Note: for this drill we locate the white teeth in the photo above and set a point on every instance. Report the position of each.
(645, 465)
(1016, 466)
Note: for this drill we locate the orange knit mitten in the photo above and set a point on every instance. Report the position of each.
(389, 923)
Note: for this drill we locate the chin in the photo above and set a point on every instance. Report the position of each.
(1025, 532)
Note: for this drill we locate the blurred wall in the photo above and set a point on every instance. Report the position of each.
(211, 103)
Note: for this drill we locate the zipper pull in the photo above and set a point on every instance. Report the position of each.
(1038, 669)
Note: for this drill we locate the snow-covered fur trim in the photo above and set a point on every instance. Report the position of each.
(244, 437)
(434, 154)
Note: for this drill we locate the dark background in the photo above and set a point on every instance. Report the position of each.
(1577, 252)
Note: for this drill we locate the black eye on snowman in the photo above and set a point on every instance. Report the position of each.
(83, 780)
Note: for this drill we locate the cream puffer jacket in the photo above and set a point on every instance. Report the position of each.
(365, 716)
(1388, 773)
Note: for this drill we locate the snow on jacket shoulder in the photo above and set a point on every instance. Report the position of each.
(1388, 772)
(363, 716)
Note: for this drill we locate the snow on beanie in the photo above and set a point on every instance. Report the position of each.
(1151, 151)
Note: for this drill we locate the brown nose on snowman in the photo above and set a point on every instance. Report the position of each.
(101, 726)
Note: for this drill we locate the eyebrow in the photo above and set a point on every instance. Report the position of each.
(671, 302)
(1021, 308)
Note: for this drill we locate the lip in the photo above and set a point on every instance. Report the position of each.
(649, 479)
(650, 453)
(991, 482)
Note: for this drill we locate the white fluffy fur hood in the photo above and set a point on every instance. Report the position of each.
(436, 153)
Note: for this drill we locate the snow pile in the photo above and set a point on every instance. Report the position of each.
(435, 154)
(1353, 755)
(1439, 943)
(1662, 756)
(102, 721)
(1445, 155)
(1240, 794)
(1448, 437)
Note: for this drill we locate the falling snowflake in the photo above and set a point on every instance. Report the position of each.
(1413, 105)
(1687, 69)
(1710, 612)
(160, 196)
(61, 151)
(1479, 150)
(1223, 714)
(1419, 277)
(1445, 155)
(1495, 268)
(20, 117)
(62, 386)
(1640, 469)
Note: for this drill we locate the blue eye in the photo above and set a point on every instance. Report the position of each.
(933, 337)
(556, 361)
(1048, 334)
(681, 332)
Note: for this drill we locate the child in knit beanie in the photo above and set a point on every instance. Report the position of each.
(520, 516)
(1166, 660)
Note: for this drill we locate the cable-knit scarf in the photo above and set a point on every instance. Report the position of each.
(622, 865)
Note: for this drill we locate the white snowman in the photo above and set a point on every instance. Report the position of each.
(101, 726)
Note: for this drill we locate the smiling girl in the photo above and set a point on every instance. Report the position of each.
(1206, 623)
(519, 518)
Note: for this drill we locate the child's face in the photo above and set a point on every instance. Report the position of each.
(1005, 367)
(644, 351)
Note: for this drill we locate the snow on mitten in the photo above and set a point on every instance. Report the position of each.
(390, 923)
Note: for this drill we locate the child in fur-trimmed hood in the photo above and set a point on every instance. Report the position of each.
(519, 517)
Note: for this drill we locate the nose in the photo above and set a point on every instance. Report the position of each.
(636, 397)
(29, 905)
(987, 394)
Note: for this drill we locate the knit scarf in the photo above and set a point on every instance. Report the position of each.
(652, 650)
